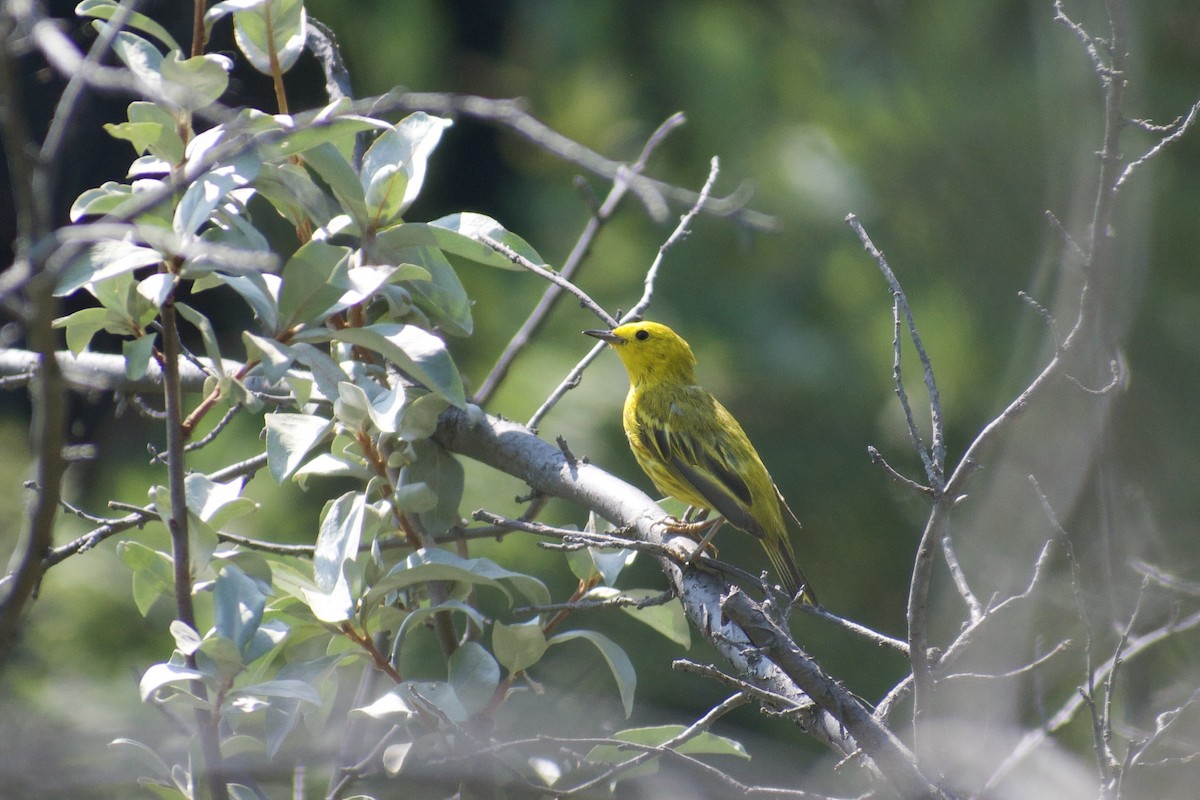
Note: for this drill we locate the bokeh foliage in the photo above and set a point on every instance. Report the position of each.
(950, 128)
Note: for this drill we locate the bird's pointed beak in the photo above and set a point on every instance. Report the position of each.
(604, 336)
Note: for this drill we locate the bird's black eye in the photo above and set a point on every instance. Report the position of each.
(642, 336)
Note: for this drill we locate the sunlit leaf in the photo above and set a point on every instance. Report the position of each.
(165, 674)
(464, 235)
(153, 573)
(196, 82)
(208, 335)
(290, 438)
(103, 260)
(209, 191)
(339, 538)
(238, 605)
(292, 689)
(105, 9)
(440, 565)
(261, 293)
(414, 350)
(312, 287)
(442, 295)
(393, 168)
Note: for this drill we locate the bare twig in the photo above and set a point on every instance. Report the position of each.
(1012, 673)
(583, 246)
(960, 580)
(933, 458)
(881, 639)
(692, 731)
(1134, 647)
(993, 613)
(894, 474)
(680, 232)
(551, 275)
(1176, 133)
(1165, 579)
(573, 377)
(591, 604)
(512, 115)
(528, 526)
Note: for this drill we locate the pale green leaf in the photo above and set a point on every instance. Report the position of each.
(520, 645)
(340, 534)
(415, 351)
(704, 743)
(464, 235)
(394, 167)
(167, 145)
(618, 662)
(443, 474)
(103, 260)
(238, 602)
(196, 82)
(208, 335)
(333, 168)
(294, 194)
(420, 615)
(142, 135)
(138, 353)
(325, 371)
(209, 191)
(271, 25)
(442, 296)
(216, 503)
(419, 417)
(286, 688)
(261, 293)
(105, 9)
(440, 565)
(143, 59)
(334, 606)
(165, 674)
(274, 358)
(290, 438)
(187, 640)
(312, 283)
(104, 199)
(82, 326)
(156, 288)
(475, 676)
(153, 573)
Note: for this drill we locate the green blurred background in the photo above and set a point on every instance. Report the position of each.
(950, 128)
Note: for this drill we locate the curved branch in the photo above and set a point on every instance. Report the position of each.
(513, 449)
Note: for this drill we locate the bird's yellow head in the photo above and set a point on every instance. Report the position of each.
(650, 352)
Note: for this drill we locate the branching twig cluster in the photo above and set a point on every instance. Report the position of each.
(766, 664)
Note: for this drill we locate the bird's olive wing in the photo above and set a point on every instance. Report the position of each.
(710, 469)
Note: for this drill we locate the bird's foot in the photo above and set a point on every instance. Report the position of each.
(702, 530)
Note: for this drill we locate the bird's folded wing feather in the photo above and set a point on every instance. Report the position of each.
(710, 468)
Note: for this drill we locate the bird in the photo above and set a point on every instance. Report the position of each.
(693, 449)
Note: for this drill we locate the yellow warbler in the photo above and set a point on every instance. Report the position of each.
(693, 449)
